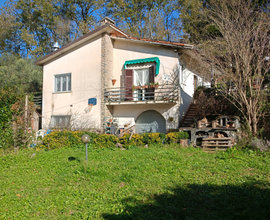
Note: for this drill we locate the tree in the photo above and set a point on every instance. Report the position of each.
(195, 22)
(28, 27)
(20, 72)
(239, 56)
(146, 19)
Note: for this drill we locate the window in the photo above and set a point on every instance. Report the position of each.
(62, 83)
(60, 121)
(140, 75)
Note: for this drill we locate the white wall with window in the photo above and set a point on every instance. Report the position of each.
(60, 121)
(62, 82)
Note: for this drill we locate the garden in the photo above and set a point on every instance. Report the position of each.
(160, 180)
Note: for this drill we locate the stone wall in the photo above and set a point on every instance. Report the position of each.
(106, 74)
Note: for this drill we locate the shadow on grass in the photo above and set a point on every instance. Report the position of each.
(73, 159)
(247, 201)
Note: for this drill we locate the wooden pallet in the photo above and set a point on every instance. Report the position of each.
(214, 144)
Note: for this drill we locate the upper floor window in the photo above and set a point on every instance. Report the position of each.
(62, 82)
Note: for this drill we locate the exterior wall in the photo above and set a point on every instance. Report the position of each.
(125, 50)
(169, 64)
(187, 90)
(84, 64)
(127, 114)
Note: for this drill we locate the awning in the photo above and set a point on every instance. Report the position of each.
(146, 60)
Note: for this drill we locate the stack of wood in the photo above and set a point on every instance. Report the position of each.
(218, 142)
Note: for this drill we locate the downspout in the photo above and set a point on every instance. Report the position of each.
(180, 98)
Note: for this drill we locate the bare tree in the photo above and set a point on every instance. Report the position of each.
(240, 56)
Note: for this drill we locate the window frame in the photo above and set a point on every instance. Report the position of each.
(61, 77)
(60, 125)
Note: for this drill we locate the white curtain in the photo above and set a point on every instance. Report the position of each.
(141, 77)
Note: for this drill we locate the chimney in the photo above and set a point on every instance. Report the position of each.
(55, 46)
(107, 20)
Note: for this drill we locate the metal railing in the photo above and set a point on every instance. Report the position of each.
(38, 99)
(160, 93)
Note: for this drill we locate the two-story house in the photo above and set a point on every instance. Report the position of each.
(107, 74)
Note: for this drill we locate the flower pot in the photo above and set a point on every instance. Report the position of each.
(113, 81)
(137, 87)
(153, 86)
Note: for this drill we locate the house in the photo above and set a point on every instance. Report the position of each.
(109, 75)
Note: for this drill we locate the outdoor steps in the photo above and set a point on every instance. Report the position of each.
(190, 115)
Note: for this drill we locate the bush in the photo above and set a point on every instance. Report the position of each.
(58, 139)
(136, 140)
(174, 137)
(104, 141)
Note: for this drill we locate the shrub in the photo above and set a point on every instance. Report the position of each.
(58, 139)
(136, 139)
(174, 137)
(105, 141)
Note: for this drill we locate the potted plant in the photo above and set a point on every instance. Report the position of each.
(171, 119)
(145, 87)
(154, 85)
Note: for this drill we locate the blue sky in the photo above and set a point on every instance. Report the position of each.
(2, 2)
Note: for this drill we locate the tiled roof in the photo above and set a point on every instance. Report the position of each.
(162, 42)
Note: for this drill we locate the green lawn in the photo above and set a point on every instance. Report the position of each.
(139, 183)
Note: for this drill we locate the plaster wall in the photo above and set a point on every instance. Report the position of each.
(127, 114)
(84, 64)
(126, 50)
(169, 64)
(187, 90)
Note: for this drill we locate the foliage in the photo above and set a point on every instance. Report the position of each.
(210, 103)
(136, 140)
(239, 56)
(20, 72)
(29, 26)
(146, 19)
(153, 183)
(105, 141)
(196, 24)
(173, 137)
(12, 114)
(59, 139)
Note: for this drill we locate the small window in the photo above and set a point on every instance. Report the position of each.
(60, 121)
(62, 82)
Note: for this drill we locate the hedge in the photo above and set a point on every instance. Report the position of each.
(58, 139)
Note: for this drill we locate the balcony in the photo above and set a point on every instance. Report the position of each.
(158, 94)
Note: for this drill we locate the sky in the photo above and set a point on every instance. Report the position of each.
(2, 2)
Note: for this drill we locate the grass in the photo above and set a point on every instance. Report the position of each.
(138, 183)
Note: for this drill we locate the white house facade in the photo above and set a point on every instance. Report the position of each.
(107, 75)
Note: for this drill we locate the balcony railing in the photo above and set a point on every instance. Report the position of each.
(148, 94)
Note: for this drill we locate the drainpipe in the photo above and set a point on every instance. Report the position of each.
(179, 99)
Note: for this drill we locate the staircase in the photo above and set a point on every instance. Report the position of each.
(189, 116)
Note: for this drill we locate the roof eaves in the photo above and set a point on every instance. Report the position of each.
(164, 43)
(117, 29)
